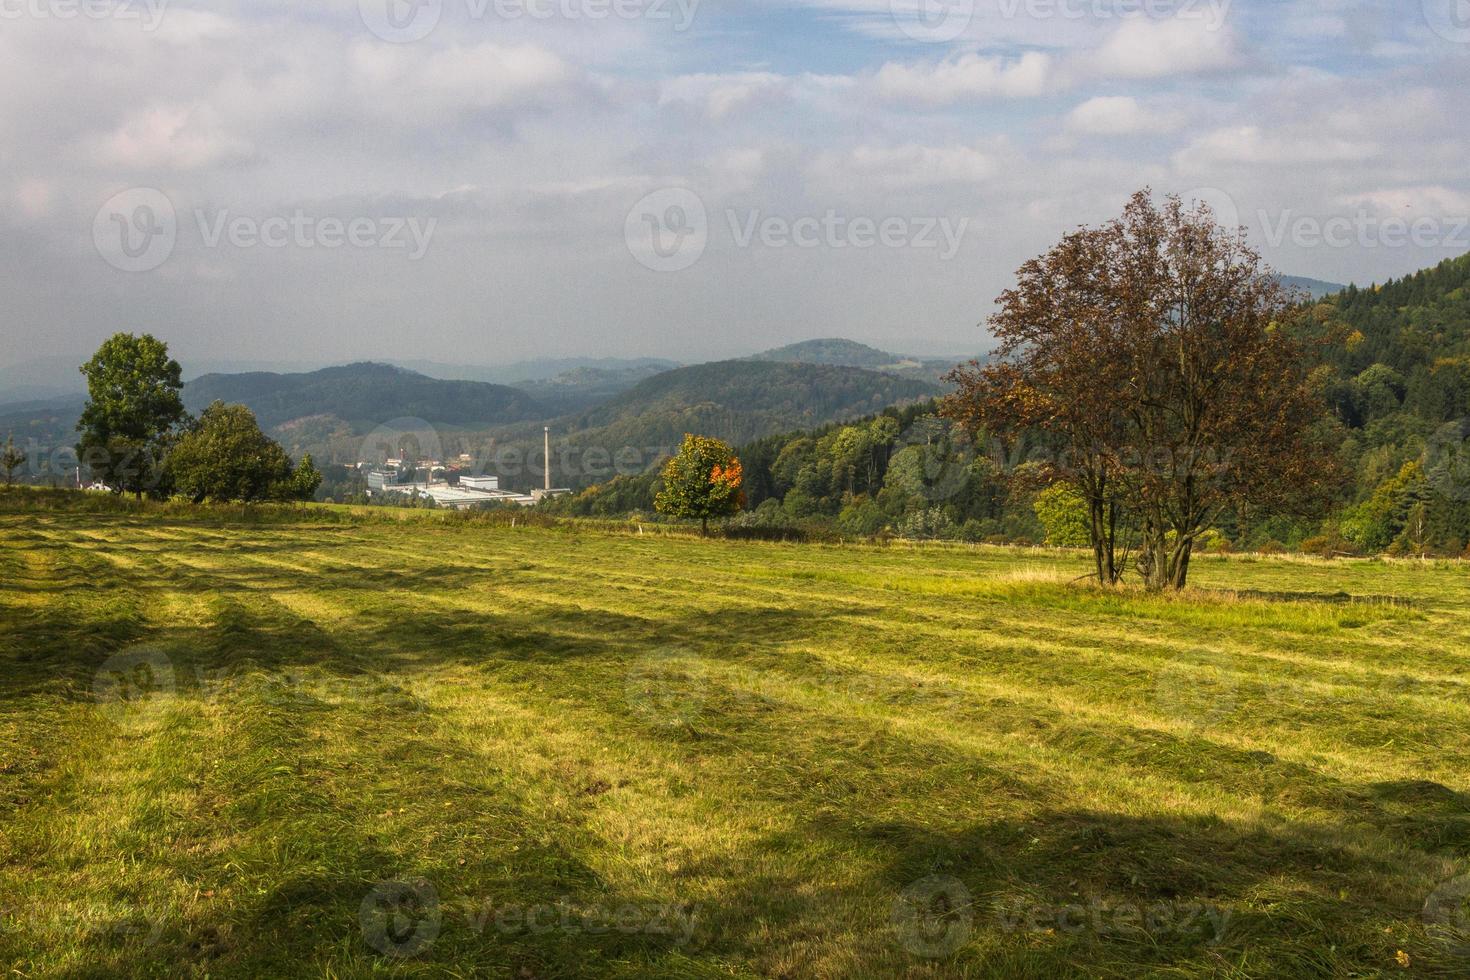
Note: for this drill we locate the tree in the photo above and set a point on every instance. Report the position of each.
(132, 412)
(1171, 366)
(11, 459)
(225, 456)
(701, 482)
(1063, 513)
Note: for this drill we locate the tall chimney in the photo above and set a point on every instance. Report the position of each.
(548, 459)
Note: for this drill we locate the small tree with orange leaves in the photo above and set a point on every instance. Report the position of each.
(702, 481)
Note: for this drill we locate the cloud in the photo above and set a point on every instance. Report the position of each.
(965, 77)
(907, 166)
(717, 96)
(172, 138)
(1119, 115)
(1158, 48)
(411, 82)
(1410, 201)
(1254, 145)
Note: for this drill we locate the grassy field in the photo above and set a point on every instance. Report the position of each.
(334, 746)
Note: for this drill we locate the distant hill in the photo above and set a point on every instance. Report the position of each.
(521, 373)
(834, 351)
(1415, 333)
(838, 352)
(363, 395)
(581, 388)
(732, 400)
(1316, 288)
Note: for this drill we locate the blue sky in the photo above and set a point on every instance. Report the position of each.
(690, 178)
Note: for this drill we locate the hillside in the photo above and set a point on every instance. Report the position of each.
(363, 395)
(1409, 324)
(838, 352)
(757, 760)
(741, 400)
(579, 389)
(1315, 288)
(834, 351)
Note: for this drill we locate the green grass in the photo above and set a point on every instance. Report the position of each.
(584, 752)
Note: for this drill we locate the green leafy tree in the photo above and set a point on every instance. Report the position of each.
(701, 482)
(1063, 512)
(1374, 524)
(132, 414)
(11, 460)
(225, 456)
(306, 480)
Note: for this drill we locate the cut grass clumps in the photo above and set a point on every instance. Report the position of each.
(315, 742)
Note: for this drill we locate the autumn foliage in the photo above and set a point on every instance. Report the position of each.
(703, 481)
(1164, 365)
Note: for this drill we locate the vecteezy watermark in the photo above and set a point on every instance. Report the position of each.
(133, 677)
(1447, 914)
(1200, 693)
(669, 230)
(1450, 19)
(407, 21)
(934, 458)
(303, 230)
(129, 926)
(1211, 12)
(569, 917)
(667, 687)
(1364, 229)
(401, 919)
(138, 229)
(933, 917)
(1155, 920)
(1447, 460)
(147, 13)
(932, 21)
(835, 230)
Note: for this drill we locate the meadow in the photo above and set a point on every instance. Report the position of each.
(313, 742)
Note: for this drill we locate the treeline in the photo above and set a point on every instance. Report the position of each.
(1399, 389)
(1396, 380)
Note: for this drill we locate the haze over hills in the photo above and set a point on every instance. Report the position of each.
(1315, 288)
(328, 412)
(839, 352)
(737, 401)
(363, 395)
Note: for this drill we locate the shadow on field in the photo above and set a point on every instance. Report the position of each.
(1086, 893)
(1323, 598)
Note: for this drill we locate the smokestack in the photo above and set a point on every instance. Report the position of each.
(548, 459)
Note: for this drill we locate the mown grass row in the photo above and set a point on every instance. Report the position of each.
(234, 748)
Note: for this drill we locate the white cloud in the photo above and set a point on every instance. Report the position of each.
(1157, 48)
(1119, 115)
(1410, 201)
(410, 81)
(172, 138)
(717, 96)
(1254, 145)
(968, 76)
(907, 166)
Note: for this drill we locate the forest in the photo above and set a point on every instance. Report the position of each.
(1394, 374)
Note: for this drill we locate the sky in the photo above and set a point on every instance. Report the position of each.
(484, 181)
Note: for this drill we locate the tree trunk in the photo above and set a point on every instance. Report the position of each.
(1165, 565)
(704, 527)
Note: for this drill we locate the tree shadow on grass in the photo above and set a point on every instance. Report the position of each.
(1086, 893)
